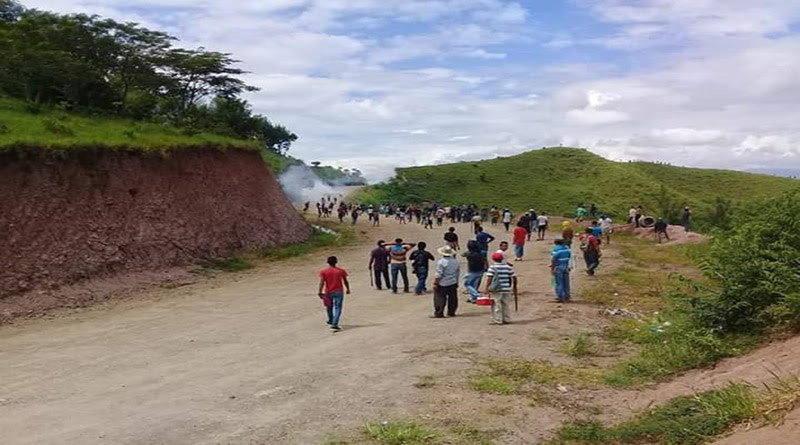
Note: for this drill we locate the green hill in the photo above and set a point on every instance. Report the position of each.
(555, 180)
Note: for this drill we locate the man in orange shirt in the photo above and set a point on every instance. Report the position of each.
(520, 235)
(333, 280)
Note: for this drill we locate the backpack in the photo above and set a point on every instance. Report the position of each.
(496, 282)
(586, 246)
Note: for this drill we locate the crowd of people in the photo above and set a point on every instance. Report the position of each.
(489, 279)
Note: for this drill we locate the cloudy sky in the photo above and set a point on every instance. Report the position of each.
(378, 84)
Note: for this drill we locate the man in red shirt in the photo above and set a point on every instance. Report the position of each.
(520, 235)
(334, 282)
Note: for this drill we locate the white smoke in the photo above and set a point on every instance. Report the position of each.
(302, 185)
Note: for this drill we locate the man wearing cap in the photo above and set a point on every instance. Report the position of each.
(445, 283)
(501, 295)
(559, 266)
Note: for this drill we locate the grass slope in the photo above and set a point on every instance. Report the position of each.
(24, 125)
(556, 179)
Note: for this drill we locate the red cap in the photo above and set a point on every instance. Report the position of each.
(497, 256)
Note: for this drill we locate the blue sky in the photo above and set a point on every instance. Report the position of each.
(377, 84)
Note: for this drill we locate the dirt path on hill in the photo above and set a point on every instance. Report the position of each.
(247, 358)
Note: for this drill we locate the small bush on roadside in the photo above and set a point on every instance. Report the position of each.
(581, 345)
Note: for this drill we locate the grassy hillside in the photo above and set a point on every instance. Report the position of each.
(25, 125)
(556, 179)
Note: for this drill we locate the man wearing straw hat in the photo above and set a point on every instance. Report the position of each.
(445, 283)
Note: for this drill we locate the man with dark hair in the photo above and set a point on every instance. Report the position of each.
(379, 264)
(483, 239)
(451, 238)
(661, 230)
(398, 254)
(419, 266)
(559, 267)
(590, 246)
(333, 280)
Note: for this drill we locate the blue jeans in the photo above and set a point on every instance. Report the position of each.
(422, 277)
(519, 250)
(403, 271)
(562, 283)
(335, 310)
(472, 281)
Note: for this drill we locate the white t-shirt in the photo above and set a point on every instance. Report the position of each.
(506, 217)
(605, 224)
(542, 220)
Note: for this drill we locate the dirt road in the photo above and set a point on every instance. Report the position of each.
(247, 358)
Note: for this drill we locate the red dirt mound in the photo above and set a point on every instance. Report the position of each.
(677, 235)
(98, 213)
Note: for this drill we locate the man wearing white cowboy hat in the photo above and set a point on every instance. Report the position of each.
(445, 283)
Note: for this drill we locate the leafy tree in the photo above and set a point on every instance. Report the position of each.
(197, 74)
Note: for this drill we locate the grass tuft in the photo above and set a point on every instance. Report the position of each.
(398, 433)
(580, 345)
(494, 384)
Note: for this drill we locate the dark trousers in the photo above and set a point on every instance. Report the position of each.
(445, 296)
(403, 271)
(382, 273)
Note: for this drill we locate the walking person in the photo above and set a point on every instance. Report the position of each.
(483, 239)
(534, 223)
(398, 253)
(445, 283)
(476, 265)
(591, 251)
(500, 282)
(520, 235)
(542, 228)
(632, 215)
(560, 256)
(661, 230)
(507, 217)
(419, 265)
(332, 285)
(608, 227)
(580, 213)
(379, 265)
(638, 215)
(451, 238)
(686, 219)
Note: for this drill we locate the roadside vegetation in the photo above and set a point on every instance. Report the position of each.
(692, 419)
(336, 235)
(555, 180)
(405, 432)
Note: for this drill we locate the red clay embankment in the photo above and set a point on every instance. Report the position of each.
(97, 213)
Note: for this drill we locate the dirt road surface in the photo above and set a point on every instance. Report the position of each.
(247, 358)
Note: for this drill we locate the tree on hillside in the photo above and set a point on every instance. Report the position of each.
(83, 62)
(197, 74)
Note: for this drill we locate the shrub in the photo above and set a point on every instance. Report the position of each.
(757, 266)
(56, 127)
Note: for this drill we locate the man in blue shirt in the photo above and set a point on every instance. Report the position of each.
(559, 266)
(483, 239)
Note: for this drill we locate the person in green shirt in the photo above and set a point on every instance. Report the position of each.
(580, 213)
